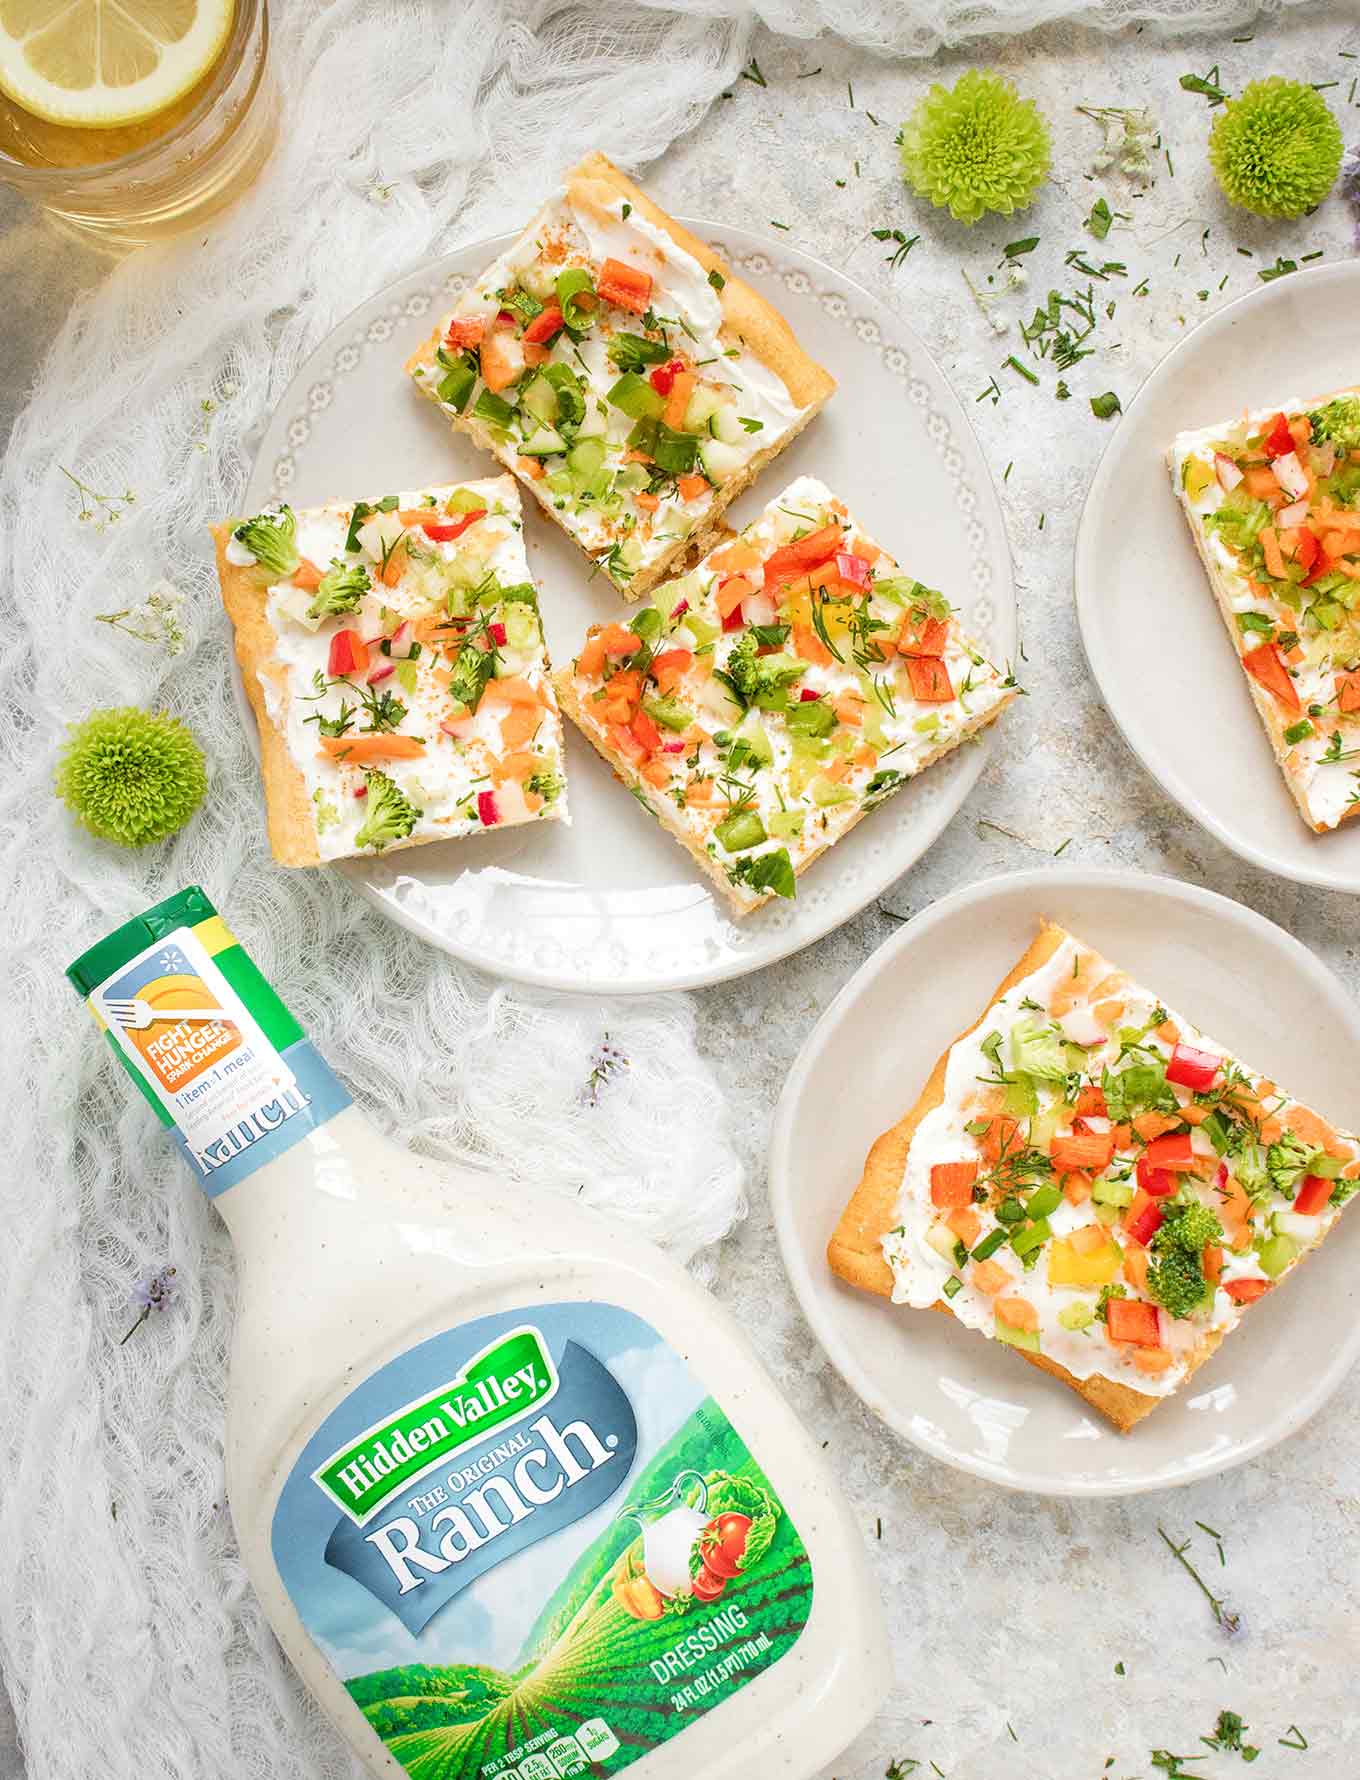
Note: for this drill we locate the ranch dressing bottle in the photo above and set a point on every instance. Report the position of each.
(518, 1499)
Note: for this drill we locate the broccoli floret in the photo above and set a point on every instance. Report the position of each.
(391, 814)
(1287, 1163)
(339, 590)
(1338, 421)
(755, 677)
(271, 538)
(1175, 1276)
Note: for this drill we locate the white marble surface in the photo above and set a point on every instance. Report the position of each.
(1010, 1613)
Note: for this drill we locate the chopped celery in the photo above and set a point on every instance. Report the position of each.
(1112, 1192)
(1026, 1338)
(740, 832)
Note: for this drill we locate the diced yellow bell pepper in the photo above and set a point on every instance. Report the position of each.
(1196, 476)
(1099, 1267)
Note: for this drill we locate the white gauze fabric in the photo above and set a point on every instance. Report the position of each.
(132, 1643)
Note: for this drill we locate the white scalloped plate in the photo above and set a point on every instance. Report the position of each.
(945, 1388)
(612, 904)
(1149, 622)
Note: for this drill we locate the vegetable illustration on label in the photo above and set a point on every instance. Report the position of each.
(558, 1542)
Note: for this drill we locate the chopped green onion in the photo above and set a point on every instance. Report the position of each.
(952, 1286)
(1043, 1200)
(1032, 1237)
(572, 285)
(1103, 407)
(1298, 732)
(990, 1243)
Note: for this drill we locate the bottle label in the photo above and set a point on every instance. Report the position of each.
(535, 1546)
(216, 1053)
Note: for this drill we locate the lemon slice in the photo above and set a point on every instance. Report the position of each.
(96, 63)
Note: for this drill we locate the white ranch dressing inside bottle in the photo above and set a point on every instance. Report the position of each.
(464, 1419)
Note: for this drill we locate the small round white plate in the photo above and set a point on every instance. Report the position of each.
(1151, 627)
(949, 1390)
(612, 904)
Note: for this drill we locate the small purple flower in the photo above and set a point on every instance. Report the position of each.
(152, 1293)
(607, 1062)
(1349, 186)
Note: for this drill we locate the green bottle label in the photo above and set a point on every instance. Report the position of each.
(535, 1546)
(216, 1054)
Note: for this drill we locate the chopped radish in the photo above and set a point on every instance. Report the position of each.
(852, 568)
(1294, 514)
(1290, 474)
(674, 747)
(680, 610)
(487, 812)
(383, 671)
(460, 728)
(1082, 1027)
(1228, 473)
(361, 790)
(401, 639)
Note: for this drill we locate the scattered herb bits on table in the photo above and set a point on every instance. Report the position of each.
(631, 381)
(393, 655)
(1273, 502)
(1091, 1181)
(778, 691)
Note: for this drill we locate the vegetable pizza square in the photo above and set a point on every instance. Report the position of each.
(1091, 1181)
(780, 690)
(1273, 502)
(624, 373)
(393, 656)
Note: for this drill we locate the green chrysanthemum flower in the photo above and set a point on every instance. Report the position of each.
(980, 147)
(1276, 149)
(130, 776)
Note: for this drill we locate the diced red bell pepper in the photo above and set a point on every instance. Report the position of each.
(544, 327)
(734, 619)
(621, 735)
(804, 554)
(1313, 1195)
(1279, 441)
(498, 634)
(1134, 1322)
(1144, 1219)
(444, 531)
(1193, 1069)
(1246, 1291)
(1307, 550)
(929, 640)
(465, 331)
(1266, 665)
(930, 683)
(1348, 691)
(349, 654)
(1159, 1183)
(806, 696)
(1172, 1150)
(625, 287)
(951, 1184)
(1088, 1152)
(487, 812)
(1323, 565)
(662, 377)
(645, 732)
